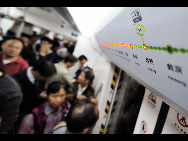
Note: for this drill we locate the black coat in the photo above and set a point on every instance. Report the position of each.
(28, 54)
(30, 100)
(10, 100)
(50, 57)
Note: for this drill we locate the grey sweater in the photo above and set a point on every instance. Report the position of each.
(10, 100)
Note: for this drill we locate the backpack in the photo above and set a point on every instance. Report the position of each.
(40, 117)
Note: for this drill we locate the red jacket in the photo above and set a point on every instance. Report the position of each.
(13, 67)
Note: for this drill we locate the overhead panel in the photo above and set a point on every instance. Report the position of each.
(150, 43)
(66, 16)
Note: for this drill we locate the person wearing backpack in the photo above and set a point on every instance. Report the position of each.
(45, 117)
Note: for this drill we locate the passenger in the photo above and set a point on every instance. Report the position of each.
(32, 82)
(34, 42)
(10, 60)
(82, 87)
(45, 52)
(56, 45)
(43, 118)
(63, 52)
(25, 39)
(1, 34)
(55, 48)
(62, 72)
(80, 119)
(27, 52)
(71, 48)
(38, 45)
(1, 37)
(67, 44)
(84, 63)
(11, 97)
(46, 33)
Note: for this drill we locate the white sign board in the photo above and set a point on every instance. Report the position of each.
(152, 44)
(148, 114)
(175, 123)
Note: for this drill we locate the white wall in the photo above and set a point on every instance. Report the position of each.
(112, 13)
(83, 47)
(105, 70)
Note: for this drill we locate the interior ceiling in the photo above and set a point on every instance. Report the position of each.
(62, 12)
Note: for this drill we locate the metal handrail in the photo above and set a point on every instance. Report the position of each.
(2, 15)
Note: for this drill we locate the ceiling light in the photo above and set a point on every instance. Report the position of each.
(87, 18)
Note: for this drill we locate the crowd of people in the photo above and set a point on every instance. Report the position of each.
(37, 93)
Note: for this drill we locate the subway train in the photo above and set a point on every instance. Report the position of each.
(138, 55)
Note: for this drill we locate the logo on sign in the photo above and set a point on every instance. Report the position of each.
(143, 127)
(181, 127)
(152, 100)
(182, 120)
(152, 97)
(73, 34)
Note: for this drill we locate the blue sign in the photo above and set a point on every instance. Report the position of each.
(73, 34)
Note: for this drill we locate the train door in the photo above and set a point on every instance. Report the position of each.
(127, 99)
(152, 114)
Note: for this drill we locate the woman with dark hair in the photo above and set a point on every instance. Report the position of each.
(43, 118)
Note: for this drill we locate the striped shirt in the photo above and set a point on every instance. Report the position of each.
(53, 118)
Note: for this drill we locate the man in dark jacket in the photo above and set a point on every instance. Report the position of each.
(45, 52)
(10, 100)
(27, 52)
(82, 87)
(84, 63)
(32, 82)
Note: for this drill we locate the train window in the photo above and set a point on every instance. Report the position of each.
(126, 106)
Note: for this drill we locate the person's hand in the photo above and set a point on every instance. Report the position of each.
(42, 51)
(94, 100)
(43, 95)
(80, 96)
(81, 66)
(17, 22)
